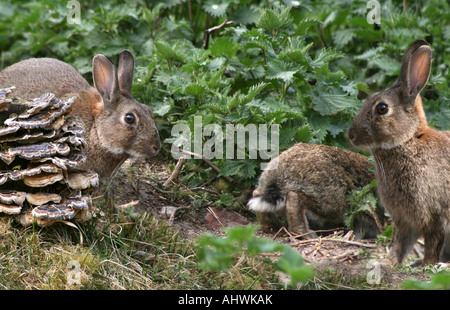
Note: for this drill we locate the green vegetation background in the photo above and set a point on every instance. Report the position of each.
(305, 65)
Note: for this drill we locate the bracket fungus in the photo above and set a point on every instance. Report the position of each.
(41, 145)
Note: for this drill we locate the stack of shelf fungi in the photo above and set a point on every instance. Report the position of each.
(41, 145)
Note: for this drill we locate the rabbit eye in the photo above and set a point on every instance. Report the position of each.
(130, 118)
(382, 108)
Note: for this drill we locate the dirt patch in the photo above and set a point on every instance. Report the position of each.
(337, 256)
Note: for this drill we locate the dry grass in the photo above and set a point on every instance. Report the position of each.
(128, 252)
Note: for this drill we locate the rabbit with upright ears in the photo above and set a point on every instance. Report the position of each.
(117, 126)
(412, 160)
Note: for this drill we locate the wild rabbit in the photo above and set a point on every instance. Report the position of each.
(117, 126)
(412, 160)
(308, 183)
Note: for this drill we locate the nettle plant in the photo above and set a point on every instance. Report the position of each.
(266, 74)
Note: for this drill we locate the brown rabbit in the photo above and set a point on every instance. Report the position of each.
(116, 125)
(308, 184)
(412, 160)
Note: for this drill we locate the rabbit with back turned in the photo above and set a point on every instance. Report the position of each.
(412, 160)
(308, 184)
(117, 126)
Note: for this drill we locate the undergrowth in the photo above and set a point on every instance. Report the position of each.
(128, 252)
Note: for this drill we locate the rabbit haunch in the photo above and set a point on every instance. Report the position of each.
(412, 160)
(309, 183)
(117, 126)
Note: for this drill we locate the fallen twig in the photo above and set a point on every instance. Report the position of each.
(176, 171)
(367, 245)
(215, 215)
(211, 30)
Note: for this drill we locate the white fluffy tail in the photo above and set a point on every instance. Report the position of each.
(258, 204)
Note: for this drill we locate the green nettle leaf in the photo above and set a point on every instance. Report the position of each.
(215, 8)
(261, 43)
(216, 63)
(167, 52)
(331, 100)
(247, 168)
(223, 46)
(195, 89)
(255, 90)
(325, 56)
(274, 19)
(296, 53)
(239, 99)
(319, 124)
(226, 199)
(163, 108)
(390, 66)
(342, 37)
(281, 70)
(443, 119)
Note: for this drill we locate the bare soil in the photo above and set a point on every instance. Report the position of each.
(338, 258)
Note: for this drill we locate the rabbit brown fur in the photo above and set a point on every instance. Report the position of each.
(309, 183)
(412, 160)
(116, 125)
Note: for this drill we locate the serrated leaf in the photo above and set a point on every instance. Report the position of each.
(342, 37)
(245, 168)
(328, 100)
(167, 52)
(223, 46)
(443, 119)
(319, 124)
(390, 66)
(273, 19)
(261, 43)
(336, 128)
(215, 8)
(164, 108)
(330, 104)
(216, 63)
(325, 56)
(195, 89)
(254, 90)
(281, 70)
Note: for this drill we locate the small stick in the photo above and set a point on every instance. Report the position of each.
(175, 171)
(211, 30)
(338, 240)
(215, 215)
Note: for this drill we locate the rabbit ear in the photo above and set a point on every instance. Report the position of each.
(126, 70)
(416, 68)
(105, 78)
